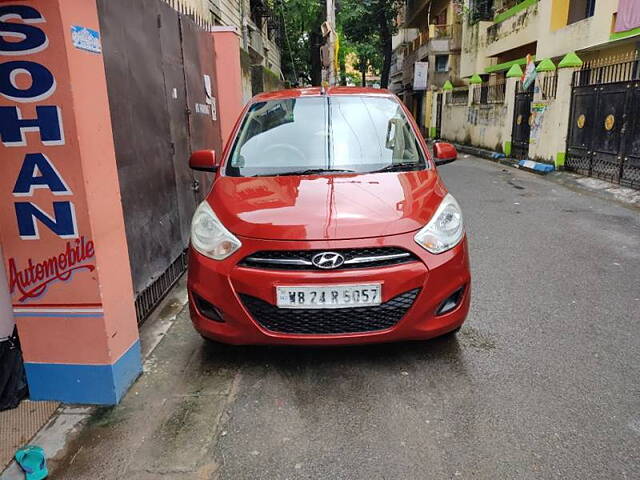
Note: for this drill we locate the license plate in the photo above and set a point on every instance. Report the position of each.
(330, 296)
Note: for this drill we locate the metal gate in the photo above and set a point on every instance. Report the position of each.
(156, 60)
(438, 114)
(604, 126)
(521, 122)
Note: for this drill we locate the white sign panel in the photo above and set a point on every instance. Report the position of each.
(420, 73)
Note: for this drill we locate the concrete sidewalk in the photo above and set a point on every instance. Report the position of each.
(164, 426)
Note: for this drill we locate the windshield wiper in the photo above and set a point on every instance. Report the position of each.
(395, 167)
(311, 171)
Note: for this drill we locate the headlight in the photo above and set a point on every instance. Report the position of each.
(445, 229)
(209, 236)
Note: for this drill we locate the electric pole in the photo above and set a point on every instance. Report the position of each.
(328, 50)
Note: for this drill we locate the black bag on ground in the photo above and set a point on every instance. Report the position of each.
(13, 384)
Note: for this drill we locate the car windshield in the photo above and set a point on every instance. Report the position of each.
(341, 134)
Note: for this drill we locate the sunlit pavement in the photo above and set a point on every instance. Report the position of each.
(542, 381)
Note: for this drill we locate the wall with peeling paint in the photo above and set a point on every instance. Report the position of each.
(482, 126)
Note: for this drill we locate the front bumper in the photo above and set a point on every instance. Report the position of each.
(222, 283)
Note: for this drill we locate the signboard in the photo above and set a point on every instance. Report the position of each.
(86, 39)
(530, 73)
(537, 116)
(420, 75)
(46, 235)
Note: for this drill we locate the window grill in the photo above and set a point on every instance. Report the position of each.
(459, 96)
(480, 10)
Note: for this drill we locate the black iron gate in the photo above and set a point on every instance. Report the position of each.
(157, 62)
(604, 127)
(521, 122)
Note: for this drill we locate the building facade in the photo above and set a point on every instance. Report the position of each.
(259, 37)
(556, 81)
(430, 35)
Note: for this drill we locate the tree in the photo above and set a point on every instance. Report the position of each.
(300, 22)
(370, 25)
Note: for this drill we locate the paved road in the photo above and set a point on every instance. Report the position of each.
(543, 381)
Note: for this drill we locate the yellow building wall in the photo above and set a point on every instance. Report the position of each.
(559, 14)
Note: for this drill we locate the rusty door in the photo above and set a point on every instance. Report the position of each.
(155, 62)
(199, 75)
(169, 24)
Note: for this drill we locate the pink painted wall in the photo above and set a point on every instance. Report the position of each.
(226, 42)
(6, 313)
(86, 162)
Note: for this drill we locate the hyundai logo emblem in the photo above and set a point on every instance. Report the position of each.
(328, 260)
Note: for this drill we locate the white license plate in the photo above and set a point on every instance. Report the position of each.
(329, 296)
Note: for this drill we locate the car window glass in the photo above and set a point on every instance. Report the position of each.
(349, 133)
(370, 132)
(277, 136)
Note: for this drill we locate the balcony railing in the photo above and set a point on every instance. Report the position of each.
(445, 31)
(480, 10)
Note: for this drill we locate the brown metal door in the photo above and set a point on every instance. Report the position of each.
(176, 104)
(142, 135)
(199, 64)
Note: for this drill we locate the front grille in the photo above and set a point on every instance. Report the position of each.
(353, 258)
(330, 321)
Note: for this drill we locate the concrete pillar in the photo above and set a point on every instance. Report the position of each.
(472, 90)
(61, 227)
(513, 76)
(428, 101)
(563, 104)
(509, 99)
(226, 43)
(434, 114)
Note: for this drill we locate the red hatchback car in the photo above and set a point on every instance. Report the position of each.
(327, 224)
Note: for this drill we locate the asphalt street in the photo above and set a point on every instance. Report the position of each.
(543, 381)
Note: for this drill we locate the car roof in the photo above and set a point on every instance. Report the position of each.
(316, 91)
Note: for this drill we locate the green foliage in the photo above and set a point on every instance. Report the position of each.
(367, 27)
(298, 19)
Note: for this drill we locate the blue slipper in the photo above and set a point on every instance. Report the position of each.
(32, 460)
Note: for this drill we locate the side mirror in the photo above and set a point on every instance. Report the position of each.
(444, 153)
(203, 161)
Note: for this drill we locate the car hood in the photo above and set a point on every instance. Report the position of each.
(321, 207)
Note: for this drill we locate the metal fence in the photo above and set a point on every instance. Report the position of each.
(489, 94)
(604, 127)
(549, 85)
(459, 96)
(622, 68)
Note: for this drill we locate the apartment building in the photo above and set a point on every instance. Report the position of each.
(552, 80)
(430, 35)
(500, 33)
(259, 32)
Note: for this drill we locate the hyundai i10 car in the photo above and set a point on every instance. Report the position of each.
(327, 223)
